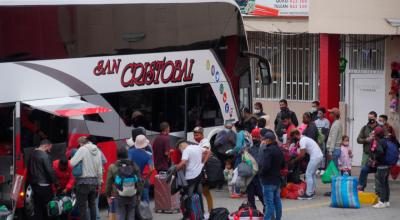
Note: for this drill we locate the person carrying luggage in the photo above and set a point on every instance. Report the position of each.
(309, 146)
(63, 172)
(89, 183)
(41, 176)
(139, 156)
(124, 183)
(193, 160)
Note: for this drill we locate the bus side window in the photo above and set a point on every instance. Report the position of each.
(203, 108)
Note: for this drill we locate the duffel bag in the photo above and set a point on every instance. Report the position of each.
(246, 213)
(219, 214)
(295, 190)
(344, 192)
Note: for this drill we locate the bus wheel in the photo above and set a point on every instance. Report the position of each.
(28, 209)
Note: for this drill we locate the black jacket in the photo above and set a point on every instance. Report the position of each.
(40, 168)
(271, 165)
(311, 131)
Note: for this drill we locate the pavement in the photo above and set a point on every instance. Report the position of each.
(315, 209)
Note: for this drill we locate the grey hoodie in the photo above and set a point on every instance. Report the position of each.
(92, 165)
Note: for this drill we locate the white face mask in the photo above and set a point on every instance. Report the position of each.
(381, 123)
(256, 111)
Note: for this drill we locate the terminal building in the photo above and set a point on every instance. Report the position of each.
(307, 41)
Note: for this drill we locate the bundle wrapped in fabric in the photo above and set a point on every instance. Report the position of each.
(344, 192)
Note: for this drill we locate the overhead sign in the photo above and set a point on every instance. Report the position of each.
(274, 8)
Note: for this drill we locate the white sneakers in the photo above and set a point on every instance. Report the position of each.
(206, 215)
(381, 205)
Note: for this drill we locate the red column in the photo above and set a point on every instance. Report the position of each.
(329, 92)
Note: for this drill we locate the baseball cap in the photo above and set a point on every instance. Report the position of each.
(335, 111)
(269, 135)
(198, 129)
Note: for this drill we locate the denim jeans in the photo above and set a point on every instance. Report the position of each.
(365, 170)
(382, 183)
(311, 181)
(125, 208)
(335, 156)
(254, 189)
(86, 198)
(145, 194)
(272, 201)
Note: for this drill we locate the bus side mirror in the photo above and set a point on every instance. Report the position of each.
(264, 67)
(265, 72)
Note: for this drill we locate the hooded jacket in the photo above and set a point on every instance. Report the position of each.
(65, 177)
(91, 159)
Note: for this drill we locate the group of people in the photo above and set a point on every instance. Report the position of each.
(275, 149)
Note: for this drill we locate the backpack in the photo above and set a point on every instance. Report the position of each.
(392, 153)
(126, 179)
(248, 142)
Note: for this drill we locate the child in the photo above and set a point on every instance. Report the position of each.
(345, 156)
(228, 174)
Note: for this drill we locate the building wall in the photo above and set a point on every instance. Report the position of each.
(353, 16)
(392, 54)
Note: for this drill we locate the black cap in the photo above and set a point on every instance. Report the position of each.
(268, 135)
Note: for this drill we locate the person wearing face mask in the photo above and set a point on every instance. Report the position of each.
(364, 136)
(41, 175)
(314, 110)
(335, 136)
(322, 122)
(271, 162)
(309, 146)
(280, 129)
(389, 131)
(258, 110)
(254, 188)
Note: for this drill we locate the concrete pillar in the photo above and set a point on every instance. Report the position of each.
(329, 91)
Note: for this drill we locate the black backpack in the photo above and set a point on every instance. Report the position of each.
(219, 214)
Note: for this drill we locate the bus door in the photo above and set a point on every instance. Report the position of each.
(7, 146)
(49, 118)
(192, 109)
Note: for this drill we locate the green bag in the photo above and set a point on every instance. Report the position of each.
(330, 171)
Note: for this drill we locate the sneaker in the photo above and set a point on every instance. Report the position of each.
(305, 197)
(379, 205)
(387, 204)
(321, 172)
(206, 215)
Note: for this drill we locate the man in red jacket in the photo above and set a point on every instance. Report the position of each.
(64, 175)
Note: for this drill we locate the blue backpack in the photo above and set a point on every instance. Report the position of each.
(392, 153)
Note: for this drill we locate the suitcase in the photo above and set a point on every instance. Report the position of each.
(163, 200)
(367, 198)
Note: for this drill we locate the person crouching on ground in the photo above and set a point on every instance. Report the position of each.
(309, 146)
(193, 160)
(272, 161)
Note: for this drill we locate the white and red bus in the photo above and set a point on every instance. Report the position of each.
(73, 68)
